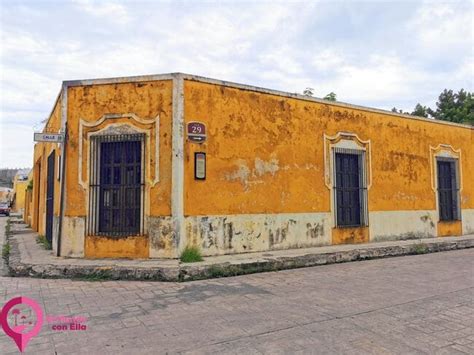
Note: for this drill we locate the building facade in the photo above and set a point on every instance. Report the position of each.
(20, 184)
(152, 164)
(6, 194)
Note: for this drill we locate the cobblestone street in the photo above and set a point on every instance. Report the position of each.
(413, 304)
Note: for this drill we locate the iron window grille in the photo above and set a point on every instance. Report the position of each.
(350, 188)
(116, 188)
(448, 189)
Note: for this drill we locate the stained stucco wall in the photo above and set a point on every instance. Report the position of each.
(265, 185)
(20, 191)
(111, 105)
(42, 151)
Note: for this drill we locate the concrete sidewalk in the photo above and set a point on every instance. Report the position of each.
(27, 258)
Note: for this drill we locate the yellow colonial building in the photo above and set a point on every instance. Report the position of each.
(152, 164)
(20, 184)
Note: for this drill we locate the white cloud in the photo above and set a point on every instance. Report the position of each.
(327, 59)
(106, 10)
(281, 45)
(16, 148)
(444, 26)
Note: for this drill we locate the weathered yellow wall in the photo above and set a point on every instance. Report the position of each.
(446, 229)
(350, 235)
(265, 185)
(20, 189)
(129, 247)
(42, 151)
(265, 155)
(146, 100)
(28, 205)
(27, 217)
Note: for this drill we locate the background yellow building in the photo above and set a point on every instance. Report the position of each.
(20, 183)
(6, 195)
(273, 170)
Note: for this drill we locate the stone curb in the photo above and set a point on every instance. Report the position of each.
(202, 270)
(196, 272)
(4, 261)
(94, 273)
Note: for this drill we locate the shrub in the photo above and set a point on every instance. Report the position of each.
(8, 228)
(6, 251)
(191, 254)
(420, 248)
(41, 239)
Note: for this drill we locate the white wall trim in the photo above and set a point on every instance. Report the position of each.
(347, 140)
(83, 123)
(445, 151)
(177, 163)
(145, 196)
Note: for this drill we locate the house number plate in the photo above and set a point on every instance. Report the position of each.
(196, 132)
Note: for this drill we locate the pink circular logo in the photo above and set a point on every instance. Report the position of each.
(21, 318)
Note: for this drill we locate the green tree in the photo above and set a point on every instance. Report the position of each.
(399, 111)
(454, 107)
(308, 92)
(420, 110)
(330, 97)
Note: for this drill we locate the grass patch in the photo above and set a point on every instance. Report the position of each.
(420, 248)
(8, 228)
(6, 248)
(217, 271)
(41, 239)
(191, 254)
(6, 251)
(101, 275)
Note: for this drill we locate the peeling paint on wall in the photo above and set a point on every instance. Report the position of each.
(163, 239)
(72, 242)
(217, 235)
(467, 218)
(242, 173)
(400, 225)
(248, 176)
(263, 167)
(315, 230)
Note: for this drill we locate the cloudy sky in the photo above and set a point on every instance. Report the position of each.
(374, 53)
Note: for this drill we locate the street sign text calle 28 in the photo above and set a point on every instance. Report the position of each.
(49, 137)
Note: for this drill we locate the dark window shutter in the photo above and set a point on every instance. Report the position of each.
(348, 195)
(116, 185)
(454, 190)
(447, 190)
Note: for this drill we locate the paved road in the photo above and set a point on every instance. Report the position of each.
(406, 305)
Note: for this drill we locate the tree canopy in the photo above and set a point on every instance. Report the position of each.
(331, 96)
(310, 92)
(451, 106)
